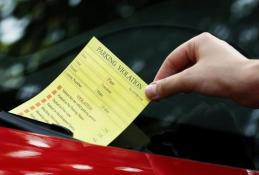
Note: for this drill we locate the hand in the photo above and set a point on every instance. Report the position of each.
(209, 66)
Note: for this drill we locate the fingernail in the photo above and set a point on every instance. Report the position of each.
(151, 91)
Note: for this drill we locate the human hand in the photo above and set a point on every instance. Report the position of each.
(209, 66)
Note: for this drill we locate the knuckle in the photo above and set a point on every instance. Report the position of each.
(206, 35)
(200, 42)
(192, 49)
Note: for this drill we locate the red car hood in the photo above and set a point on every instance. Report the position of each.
(33, 154)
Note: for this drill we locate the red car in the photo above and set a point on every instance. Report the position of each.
(186, 134)
(35, 154)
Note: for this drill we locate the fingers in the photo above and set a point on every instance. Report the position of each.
(171, 85)
(204, 64)
(171, 77)
(181, 58)
(185, 55)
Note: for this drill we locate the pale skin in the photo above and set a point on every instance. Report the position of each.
(209, 66)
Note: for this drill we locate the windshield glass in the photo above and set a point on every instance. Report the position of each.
(40, 38)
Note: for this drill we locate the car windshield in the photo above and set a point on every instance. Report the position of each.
(40, 38)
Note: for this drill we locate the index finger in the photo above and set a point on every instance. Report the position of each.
(179, 59)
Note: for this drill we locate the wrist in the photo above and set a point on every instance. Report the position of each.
(251, 72)
(249, 82)
(245, 85)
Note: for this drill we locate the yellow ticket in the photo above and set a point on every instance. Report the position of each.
(97, 96)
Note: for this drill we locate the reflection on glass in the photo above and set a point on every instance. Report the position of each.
(242, 8)
(7, 7)
(73, 3)
(13, 76)
(138, 65)
(12, 29)
(125, 9)
(27, 91)
(221, 30)
(252, 124)
(249, 34)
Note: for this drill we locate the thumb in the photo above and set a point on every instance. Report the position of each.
(168, 86)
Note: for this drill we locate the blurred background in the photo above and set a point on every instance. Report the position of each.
(38, 39)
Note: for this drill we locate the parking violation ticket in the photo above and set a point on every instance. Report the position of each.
(97, 96)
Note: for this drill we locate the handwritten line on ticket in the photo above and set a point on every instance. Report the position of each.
(97, 96)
